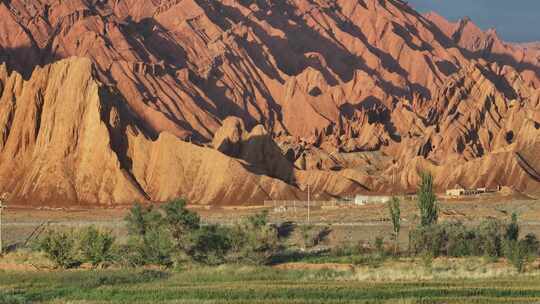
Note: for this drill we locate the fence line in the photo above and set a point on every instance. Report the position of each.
(305, 204)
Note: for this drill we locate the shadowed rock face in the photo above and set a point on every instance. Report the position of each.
(346, 96)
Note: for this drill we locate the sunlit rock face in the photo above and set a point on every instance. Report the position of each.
(237, 102)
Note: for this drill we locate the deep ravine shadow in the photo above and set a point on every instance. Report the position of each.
(376, 112)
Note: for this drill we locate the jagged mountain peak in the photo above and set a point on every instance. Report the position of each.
(323, 77)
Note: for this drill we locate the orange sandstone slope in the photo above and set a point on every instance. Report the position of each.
(67, 139)
(346, 96)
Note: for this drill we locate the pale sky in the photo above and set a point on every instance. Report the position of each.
(515, 20)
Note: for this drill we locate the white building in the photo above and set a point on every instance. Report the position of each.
(371, 199)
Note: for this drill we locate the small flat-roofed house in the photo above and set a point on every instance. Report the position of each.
(371, 199)
(455, 192)
(458, 190)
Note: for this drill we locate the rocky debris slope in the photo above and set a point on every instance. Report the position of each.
(358, 96)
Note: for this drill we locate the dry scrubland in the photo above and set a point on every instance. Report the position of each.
(327, 278)
(348, 224)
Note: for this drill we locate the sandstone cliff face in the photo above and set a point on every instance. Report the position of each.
(55, 145)
(346, 96)
(65, 139)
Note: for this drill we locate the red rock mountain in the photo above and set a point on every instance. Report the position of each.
(236, 101)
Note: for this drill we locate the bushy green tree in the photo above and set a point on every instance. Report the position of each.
(182, 223)
(173, 235)
(253, 241)
(427, 239)
(141, 219)
(96, 246)
(60, 247)
(489, 238)
(155, 247)
(211, 244)
(459, 240)
(532, 244)
(519, 252)
(149, 240)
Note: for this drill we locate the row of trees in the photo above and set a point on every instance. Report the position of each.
(173, 235)
(168, 236)
(427, 206)
(491, 238)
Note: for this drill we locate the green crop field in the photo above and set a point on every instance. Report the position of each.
(231, 284)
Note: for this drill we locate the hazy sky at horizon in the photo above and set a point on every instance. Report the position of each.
(517, 20)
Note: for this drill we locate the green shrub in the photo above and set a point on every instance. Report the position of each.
(253, 241)
(459, 240)
(154, 248)
(96, 246)
(311, 236)
(306, 231)
(517, 254)
(175, 236)
(60, 248)
(532, 244)
(520, 252)
(149, 242)
(447, 239)
(158, 247)
(131, 254)
(163, 237)
(425, 239)
(141, 219)
(489, 238)
(211, 245)
(345, 250)
(181, 223)
(379, 245)
(512, 230)
(258, 220)
(456, 240)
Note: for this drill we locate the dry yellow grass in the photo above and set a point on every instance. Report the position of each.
(25, 260)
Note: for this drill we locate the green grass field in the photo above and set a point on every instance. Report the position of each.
(231, 284)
